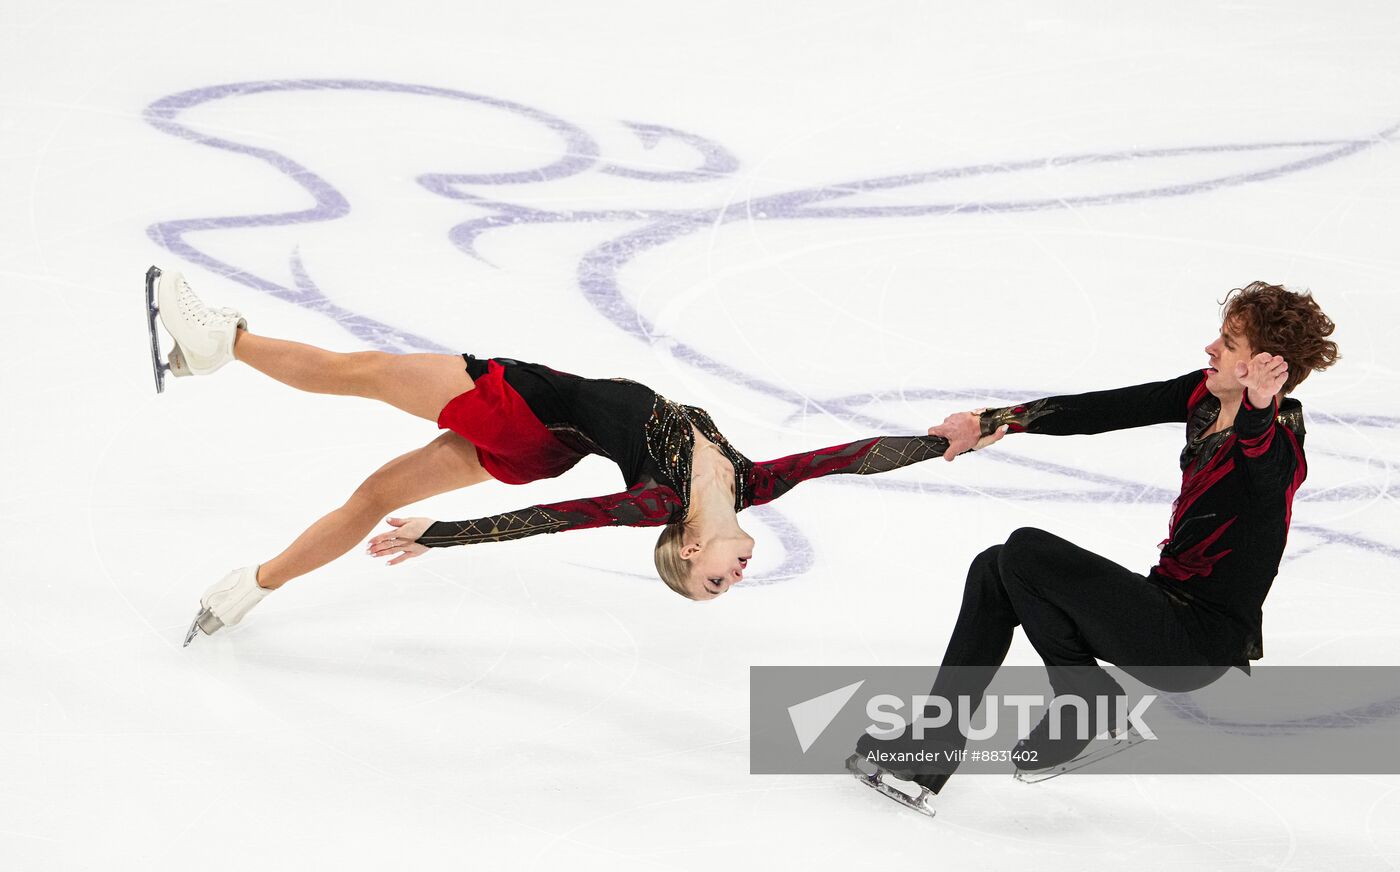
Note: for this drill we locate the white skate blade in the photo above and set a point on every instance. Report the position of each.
(158, 366)
(1121, 741)
(918, 797)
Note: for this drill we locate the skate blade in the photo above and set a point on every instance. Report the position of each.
(203, 622)
(1120, 743)
(158, 366)
(921, 802)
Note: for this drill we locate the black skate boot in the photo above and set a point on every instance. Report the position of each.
(908, 770)
(1063, 742)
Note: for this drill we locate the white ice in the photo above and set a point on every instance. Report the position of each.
(544, 704)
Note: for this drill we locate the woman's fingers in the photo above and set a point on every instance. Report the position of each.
(381, 545)
(995, 437)
(408, 552)
(401, 541)
(405, 550)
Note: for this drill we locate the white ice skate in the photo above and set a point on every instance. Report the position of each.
(225, 604)
(203, 336)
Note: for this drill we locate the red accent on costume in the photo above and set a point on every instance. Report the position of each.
(1194, 562)
(1200, 392)
(1194, 485)
(649, 508)
(513, 445)
(771, 479)
(1300, 472)
(1259, 445)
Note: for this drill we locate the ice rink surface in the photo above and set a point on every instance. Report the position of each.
(819, 221)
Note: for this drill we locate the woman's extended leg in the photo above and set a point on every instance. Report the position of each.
(447, 463)
(420, 384)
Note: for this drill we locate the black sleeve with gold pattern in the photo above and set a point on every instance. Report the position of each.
(645, 505)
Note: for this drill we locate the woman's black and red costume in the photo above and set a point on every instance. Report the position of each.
(530, 422)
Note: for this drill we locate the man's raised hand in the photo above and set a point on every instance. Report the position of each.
(1263, 375)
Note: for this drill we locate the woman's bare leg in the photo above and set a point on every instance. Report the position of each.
(420, 384)
(447, 463)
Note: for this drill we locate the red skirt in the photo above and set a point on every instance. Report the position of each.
(512, 443)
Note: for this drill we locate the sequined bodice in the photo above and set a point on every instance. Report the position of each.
(670, 439)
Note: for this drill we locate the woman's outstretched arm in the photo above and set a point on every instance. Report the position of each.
(771, 479)
(644, 505)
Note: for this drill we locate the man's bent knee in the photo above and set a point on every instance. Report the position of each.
(1030, 539)
(983, 562)
(984, 576)
(1028, 551)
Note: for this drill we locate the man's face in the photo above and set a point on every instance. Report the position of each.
(1228, 349)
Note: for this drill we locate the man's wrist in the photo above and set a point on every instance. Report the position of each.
(1016, 419)
(1253, 402)
(988, 420)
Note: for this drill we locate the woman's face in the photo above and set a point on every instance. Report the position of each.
(716, 565)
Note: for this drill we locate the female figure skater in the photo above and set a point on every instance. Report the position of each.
(513, 422)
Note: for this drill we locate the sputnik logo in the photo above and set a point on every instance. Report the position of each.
(811, 718)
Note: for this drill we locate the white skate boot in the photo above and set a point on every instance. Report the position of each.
(225, 604)
(203, 336)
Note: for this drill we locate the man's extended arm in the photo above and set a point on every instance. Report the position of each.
(1075, 414)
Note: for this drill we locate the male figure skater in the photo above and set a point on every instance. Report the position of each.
(1198, 611)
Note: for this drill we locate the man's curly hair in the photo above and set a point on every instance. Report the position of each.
(1278, 321)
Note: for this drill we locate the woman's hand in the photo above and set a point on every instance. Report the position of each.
(403, 540)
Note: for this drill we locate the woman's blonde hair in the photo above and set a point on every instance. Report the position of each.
(667, 556)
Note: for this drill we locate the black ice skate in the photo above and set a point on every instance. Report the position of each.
(1038, 757)
(887, 766)
(1116, 742)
